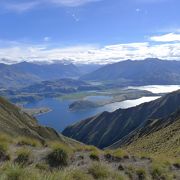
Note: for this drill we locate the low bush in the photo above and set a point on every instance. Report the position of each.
(94, 156)
(3, 152)
(57, 158)
(23, 157)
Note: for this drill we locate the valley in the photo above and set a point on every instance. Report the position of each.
(89, 90)
(51, 112)
(40, 152)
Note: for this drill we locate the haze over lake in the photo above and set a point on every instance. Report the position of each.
(60, 116)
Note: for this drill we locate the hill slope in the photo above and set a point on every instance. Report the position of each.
(156, 136)
(107, 128)
(146, 72)
(17, 123)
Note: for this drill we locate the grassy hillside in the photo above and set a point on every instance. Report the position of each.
(160, 136)
(32, 152)
(107, 128)
(17, 123)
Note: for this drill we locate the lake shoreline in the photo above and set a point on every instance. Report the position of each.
(36, 111)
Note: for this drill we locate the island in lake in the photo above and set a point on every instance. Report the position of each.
(118, 96)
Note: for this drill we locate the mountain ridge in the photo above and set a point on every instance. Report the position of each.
(150, 71)
(107, 128)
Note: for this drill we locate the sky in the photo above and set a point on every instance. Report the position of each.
(89, 31)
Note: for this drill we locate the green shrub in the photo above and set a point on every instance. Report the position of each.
(23, 157)
(57, 158)
(3, 152)
(94, 156)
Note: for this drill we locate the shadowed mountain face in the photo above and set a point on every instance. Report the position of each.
(146, 72)
(17, 123)
(107, 128)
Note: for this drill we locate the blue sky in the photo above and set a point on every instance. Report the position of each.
(93, 31)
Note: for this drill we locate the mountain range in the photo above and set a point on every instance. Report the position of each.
(24, 74)
(140, 72)
(107, 128)
(124, 73)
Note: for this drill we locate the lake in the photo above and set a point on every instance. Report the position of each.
(60, 116)
(157, 88)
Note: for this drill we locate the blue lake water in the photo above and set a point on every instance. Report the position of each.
(157, 88)
(60, 116)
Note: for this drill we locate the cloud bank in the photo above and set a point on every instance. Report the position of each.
(171, 37)
(94, 54)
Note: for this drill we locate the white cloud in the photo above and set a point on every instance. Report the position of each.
(27, 5)
(46, 39)
(171, 37)
(21, 7)
(71, 3)
(91, 53)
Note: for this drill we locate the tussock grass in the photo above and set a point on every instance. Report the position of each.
(99, 171)
(24, 141)
(103, 171)
(23, 156)
(61, 145)
(4, 156)
(161, 170)
(141, 173)
(42, 166)
(5, 138)
(57, 158)
(12, 171)
(87, 148)
(3, 148)
(94, 156)
(117, 153)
